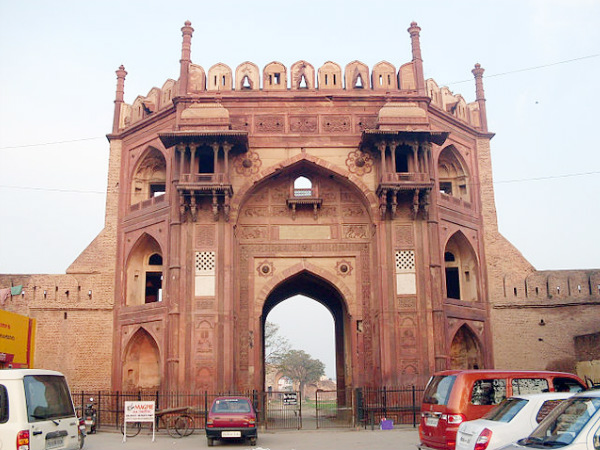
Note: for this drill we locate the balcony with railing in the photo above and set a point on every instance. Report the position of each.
(204, 182)
(405, 181)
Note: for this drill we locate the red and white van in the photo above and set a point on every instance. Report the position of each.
(454, 396)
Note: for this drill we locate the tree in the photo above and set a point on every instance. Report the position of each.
(300, 367)
(275, 345)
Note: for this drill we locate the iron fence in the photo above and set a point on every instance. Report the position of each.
(400, 404)
(276, 410)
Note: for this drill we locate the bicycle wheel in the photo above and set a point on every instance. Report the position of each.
(133, 428)
(183, 425)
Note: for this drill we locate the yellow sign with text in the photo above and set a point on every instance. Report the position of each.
(16, 339)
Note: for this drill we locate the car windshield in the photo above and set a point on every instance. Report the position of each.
(231, 405)
(47, 398)
(507, 410)
(564, 424)
(438, 389)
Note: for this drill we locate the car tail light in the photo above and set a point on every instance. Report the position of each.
(453, 419)
(23, 440)
(483, 440)
(209, 423)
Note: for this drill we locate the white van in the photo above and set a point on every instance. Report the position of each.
(36, 411)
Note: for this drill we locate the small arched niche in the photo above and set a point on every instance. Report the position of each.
(465, 350)
(149, 177)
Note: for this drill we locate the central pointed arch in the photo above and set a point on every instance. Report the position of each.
(318, 288)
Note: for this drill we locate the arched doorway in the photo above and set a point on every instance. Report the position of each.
(141, 362)
(465, 351)
(318, 289)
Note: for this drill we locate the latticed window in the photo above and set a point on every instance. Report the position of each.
(406, 282)
(205, 274)
(303, 187)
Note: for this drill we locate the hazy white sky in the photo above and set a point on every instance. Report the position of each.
(57, 81)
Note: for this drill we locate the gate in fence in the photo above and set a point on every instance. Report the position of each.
(334, 410)
(283, 410)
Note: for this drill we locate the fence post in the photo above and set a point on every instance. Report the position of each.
(117, 410)
(414, 407)
(98, 409)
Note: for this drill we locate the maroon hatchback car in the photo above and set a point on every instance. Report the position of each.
(231, 418)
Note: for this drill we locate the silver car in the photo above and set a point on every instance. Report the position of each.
(511, 420)
(573, 425)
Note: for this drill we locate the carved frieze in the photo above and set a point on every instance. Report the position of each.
(256, 211)
(353, 231)
(336, 124)
(366, 123)
(240, 123)
(265, 268)
(253, 233)
(352, 211)
(272, 123)
(304, 124)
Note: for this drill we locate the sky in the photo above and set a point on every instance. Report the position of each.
(57, 88)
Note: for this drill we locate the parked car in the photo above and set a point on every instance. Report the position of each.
(511, 420)
(36, 411)
(454, 396)
(572, 425)
(231, 418)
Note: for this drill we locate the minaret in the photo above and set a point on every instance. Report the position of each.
(119, 98)
(185, 60)
(480, 95)
(414, 31)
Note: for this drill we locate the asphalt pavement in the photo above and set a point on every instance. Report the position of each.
(399, 438)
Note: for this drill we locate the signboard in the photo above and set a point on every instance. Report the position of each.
(17, 334)
(139, 411)
(290, 398)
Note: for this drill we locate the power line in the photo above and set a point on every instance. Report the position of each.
(52, 143)
(551, 177)
(530, 68)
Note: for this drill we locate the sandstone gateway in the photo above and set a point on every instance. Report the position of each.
(368, 190)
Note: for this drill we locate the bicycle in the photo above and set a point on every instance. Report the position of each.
(178, 426)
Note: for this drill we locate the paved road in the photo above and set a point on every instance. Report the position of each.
(400, 438)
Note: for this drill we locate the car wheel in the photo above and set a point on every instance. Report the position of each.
(253, 441)
(210, 442)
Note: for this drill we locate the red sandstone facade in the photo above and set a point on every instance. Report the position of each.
(369, 190)
(356, 188)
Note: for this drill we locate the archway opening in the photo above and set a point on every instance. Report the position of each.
(141, 363)
(465, 351)
(310, 303)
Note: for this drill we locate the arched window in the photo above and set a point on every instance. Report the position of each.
(144, 273)
(453, 177)
(303, 187)
(149, 179)
(460, 267)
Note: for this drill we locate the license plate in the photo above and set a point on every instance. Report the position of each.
(54, 443)
(231, 434)
(432, 421)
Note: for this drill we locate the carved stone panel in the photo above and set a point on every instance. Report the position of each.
(336, 124)
(269, 123)
(205, 236)
(304, 124)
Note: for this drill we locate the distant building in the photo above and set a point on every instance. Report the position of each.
(368, 190)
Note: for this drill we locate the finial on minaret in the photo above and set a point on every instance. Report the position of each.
(121, 74)
(480, 95)
(185, 61)
(414, 31)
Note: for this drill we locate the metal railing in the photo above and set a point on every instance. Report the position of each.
(275, 410)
